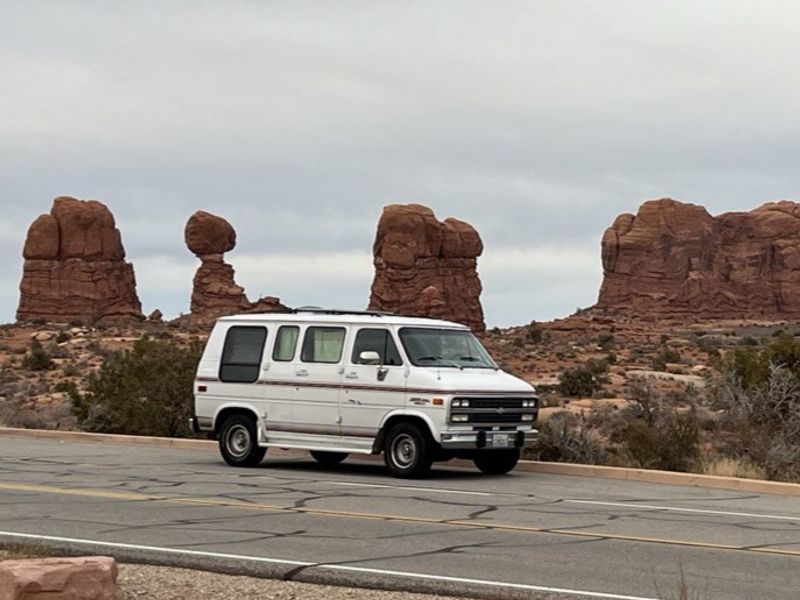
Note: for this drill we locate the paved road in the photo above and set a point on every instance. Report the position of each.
(528, 535)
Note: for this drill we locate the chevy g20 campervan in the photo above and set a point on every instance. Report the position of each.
(336, 383)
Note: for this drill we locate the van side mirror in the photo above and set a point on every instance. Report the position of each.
(369, 357)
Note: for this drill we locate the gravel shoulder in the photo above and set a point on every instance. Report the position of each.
(168, 583)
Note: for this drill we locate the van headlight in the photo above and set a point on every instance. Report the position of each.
(529, 403)
(459, 418)
(460, 404)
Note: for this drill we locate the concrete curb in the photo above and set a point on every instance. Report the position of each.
(619, 473)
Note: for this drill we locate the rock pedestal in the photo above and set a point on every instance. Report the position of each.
(427, 267)
(75, 267)
(676, 258)
(215, 292)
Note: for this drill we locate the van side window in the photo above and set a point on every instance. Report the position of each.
(323, 345)
(241, 354)
(376, 340)
(285, 343)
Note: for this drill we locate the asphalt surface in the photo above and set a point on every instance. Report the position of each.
(523, 535)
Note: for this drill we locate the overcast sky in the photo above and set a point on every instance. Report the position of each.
(537, 122)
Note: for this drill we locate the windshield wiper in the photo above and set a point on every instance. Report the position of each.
(452, 363)
(475, 359)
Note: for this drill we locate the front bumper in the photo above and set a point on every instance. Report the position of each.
(471, 440)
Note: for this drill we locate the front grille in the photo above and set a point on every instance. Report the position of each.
(495, 418)
(493, 402)
(494, 410)
(496, 402)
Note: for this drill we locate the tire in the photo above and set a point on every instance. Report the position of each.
(496, 462)
(407, 451)
(238, 442)
(328, 459)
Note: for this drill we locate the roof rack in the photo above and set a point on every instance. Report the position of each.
(318, 310)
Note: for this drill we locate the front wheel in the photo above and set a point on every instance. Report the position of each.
(407, 451)
(238, 442)
(328, 459)
(496, 462)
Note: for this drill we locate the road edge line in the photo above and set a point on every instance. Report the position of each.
(309, 572)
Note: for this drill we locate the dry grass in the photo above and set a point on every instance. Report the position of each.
(733, 467)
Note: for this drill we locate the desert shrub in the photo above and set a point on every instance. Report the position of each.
(63, 336)
(657, 431)
(564, 437)
(748, 341)
(583, 380)
(146, 390)
(37, 358)
(761, 421)
(71, 370)
(535, 333)
(750, 365)
(606, 341)
(665, 357)
(56, 351)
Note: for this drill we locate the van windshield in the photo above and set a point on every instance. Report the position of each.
(427, 347)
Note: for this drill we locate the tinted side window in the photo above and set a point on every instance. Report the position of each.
(323, 345)
(285, 343)
(376, 340)
(241, 355)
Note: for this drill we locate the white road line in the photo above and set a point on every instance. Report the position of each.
(406, 487)
(295, 563)
(686, 510)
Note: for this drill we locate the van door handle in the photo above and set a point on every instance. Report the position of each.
(301, 373)
(351, 375)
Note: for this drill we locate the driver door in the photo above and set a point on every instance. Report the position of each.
(371, 390)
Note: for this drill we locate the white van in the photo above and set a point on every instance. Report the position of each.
(336, 383)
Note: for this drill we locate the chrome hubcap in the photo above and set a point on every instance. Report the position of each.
(404, 450)
(238, 441)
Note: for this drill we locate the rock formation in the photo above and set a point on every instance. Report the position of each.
(673, 257)
(215, 292)
(427, 267)
(75, 266)
(92, 577)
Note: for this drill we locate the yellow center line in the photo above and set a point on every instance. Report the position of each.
(199, 501)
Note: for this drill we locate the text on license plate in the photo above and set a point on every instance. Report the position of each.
(501, 440)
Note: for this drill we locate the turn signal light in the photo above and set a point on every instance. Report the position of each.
(202, 388)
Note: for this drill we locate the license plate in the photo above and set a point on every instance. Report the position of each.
(501, 440)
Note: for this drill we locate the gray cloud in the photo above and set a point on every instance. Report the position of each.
(536, 121)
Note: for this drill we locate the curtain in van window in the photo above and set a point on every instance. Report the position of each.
(323, 344)
(285, 343)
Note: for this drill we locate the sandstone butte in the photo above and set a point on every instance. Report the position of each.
(75, 267)
(676, 258)
(215, 292)
(427, 267)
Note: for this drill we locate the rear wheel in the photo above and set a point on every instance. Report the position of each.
(238, 442)
(407, 451)
(328, 459)
(496, 462)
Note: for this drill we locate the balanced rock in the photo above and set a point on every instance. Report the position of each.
(427, 267)
(215, 292)
(673, 257)
(75, 266)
